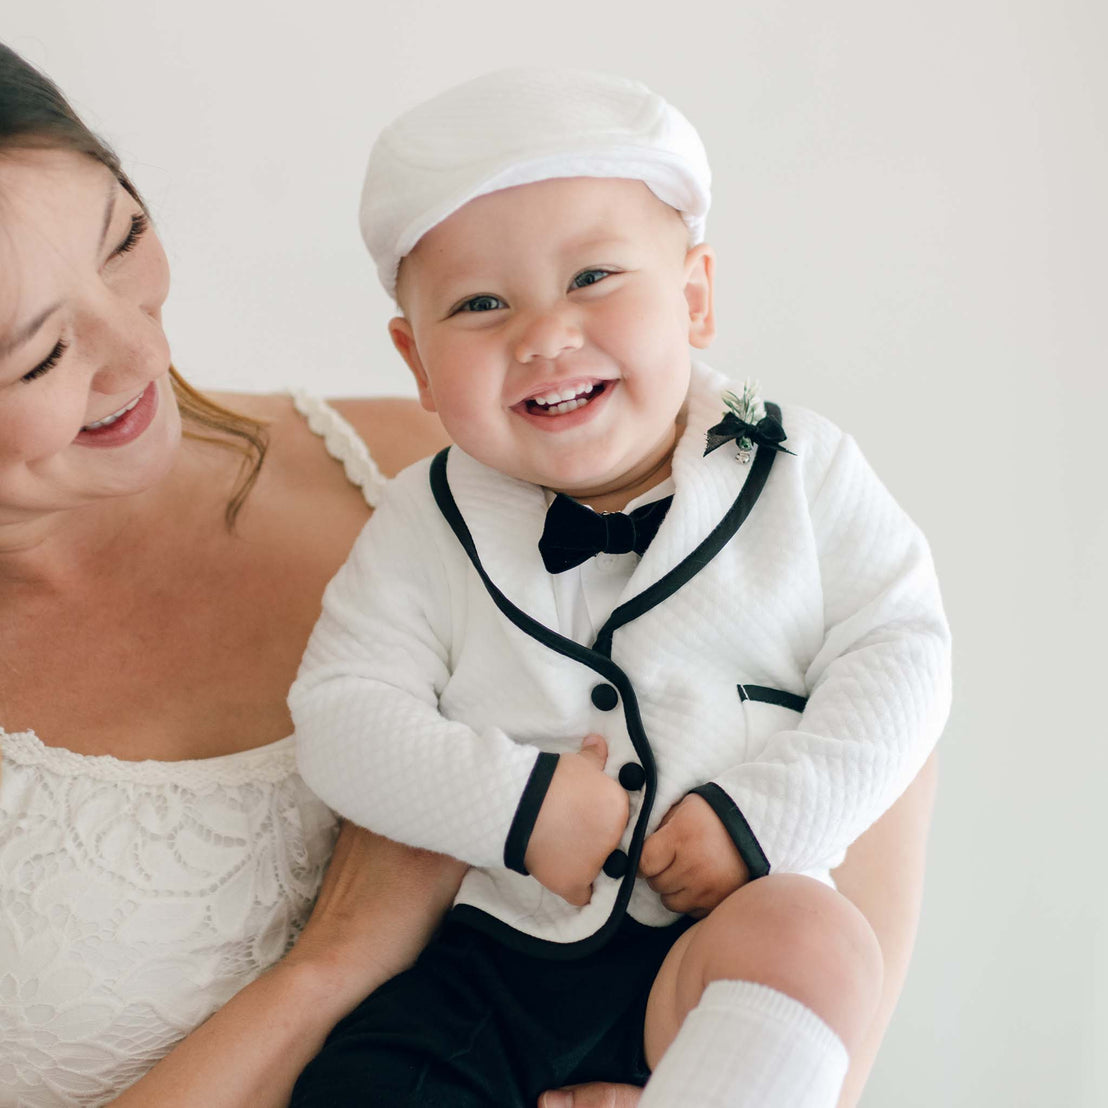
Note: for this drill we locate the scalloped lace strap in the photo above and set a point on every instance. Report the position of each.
(343, 443)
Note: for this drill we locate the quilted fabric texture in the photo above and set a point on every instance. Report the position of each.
(420, 708)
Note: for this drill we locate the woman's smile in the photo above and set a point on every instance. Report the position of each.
(124, 425)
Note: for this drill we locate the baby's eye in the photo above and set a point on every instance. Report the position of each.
(483, 303)
(589, 277)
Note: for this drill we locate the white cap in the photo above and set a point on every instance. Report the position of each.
(515, 127)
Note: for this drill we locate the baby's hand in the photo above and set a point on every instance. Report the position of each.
(580, 823)
(690, 859)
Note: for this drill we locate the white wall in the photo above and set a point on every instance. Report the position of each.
(911, 231)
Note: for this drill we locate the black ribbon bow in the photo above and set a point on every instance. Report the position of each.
(767, 432)
(574, 532)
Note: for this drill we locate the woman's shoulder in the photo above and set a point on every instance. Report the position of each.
(396, 431)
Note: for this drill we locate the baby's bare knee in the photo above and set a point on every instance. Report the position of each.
(801, 938)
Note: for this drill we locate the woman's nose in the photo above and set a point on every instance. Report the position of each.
(131, 350)
(546, 335)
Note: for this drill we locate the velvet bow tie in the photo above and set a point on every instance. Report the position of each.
(574, 533)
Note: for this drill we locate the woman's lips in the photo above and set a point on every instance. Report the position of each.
(125, 425)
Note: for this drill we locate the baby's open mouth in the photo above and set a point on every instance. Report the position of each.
(567, 400)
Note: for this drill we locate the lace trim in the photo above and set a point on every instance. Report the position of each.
(270, 763)
(343, 443)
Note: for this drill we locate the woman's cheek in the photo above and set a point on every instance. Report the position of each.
(40, 425)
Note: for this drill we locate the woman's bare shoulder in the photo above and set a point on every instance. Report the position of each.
(397, 431)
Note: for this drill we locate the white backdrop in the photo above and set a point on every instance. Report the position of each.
(911, 230)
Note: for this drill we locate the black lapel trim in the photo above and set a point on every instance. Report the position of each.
(734, 821)
(599, 663)
(697, 559)
(766, 695)
(599, 659)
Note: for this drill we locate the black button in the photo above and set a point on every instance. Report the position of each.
(632, 776)
(615, 865)
(605, 697)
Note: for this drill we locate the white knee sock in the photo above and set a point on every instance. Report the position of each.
(749, 1046)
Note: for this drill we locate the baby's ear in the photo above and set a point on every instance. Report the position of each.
(403, 338)
(700, 263)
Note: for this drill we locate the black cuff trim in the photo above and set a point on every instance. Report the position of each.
(527, 811)
(766, 695)
(735, 822)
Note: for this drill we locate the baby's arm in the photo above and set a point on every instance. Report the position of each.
(370, 738)
(373, 744)
(879, 686)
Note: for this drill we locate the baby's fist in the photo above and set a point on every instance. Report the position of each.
(690, 860)
(580, 823)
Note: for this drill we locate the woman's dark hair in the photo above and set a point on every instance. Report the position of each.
(34, 115)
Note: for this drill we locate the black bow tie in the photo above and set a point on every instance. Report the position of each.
(574, 533)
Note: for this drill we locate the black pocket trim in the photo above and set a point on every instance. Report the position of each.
(527, 811)
(735, 823)
(766, 695)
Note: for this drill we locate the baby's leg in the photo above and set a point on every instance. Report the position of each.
(761, 1003)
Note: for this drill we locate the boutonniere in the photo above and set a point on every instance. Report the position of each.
(747, 423)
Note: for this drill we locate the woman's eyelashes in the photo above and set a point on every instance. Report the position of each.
(140, 223)
(43, 367)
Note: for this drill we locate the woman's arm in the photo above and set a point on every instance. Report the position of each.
(883, 876)
(377, 908)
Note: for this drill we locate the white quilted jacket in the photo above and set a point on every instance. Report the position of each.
(422, 700)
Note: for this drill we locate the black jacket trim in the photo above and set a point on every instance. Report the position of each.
(697, 559)
(735, 822)
(599, 663)
(599, 660)
(766, 695)
(527, 811)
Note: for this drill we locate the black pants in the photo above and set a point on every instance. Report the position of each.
(475, 1025)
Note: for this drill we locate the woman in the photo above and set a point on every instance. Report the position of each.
(157, 586)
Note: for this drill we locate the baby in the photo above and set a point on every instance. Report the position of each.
(646, 651)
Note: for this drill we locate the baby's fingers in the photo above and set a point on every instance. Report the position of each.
(658, 854)
(578, 895)
(685, 903)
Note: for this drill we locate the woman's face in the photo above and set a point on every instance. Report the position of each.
(86, 406)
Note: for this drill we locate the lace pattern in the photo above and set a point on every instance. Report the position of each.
(137, 897)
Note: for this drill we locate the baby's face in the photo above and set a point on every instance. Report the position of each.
(549, 326)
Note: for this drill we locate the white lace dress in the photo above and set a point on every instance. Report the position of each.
(137, 897)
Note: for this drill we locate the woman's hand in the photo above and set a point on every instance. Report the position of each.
(597, 1094)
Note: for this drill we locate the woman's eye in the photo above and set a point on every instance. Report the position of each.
(589, 277)
(52, 360)
(139, 224)
(484, 303)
